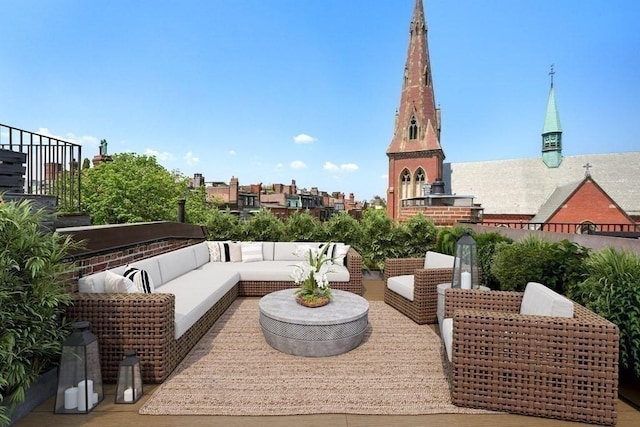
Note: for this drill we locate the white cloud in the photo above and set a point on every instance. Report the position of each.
(232, 152)
(164, 156)
(298, 164)
(303, 138)
(191, 159)
(85, 140)
(344, 167)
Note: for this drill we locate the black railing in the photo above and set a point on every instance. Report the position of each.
(620, 230)
(52, 165)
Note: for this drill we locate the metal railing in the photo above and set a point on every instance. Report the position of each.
(621, 230)
(52, 166)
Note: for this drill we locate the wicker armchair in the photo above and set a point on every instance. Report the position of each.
(424, 306)
(556, 367)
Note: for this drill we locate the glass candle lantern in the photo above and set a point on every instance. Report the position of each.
(79, 375)
(465, 265)
(129, 387)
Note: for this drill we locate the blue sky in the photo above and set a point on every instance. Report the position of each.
(275, 90)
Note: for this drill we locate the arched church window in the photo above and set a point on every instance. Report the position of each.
(419, 183)
(405, 184)
(413, 128)
(586, 227)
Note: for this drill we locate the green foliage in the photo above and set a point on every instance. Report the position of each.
(417, 236)
(196, 208)
(222, 225)
(378, 237)
(304, 227)
(86, 163)
(447, 238)
(32, 299)
(342, 227)
(612, 289)
(487, 243)
(263, 226)
(557, 265)
(131, 188)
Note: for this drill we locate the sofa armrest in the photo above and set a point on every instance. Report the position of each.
(353, 262)
(500, 301)
(402, 266)
(426, 281)
(144, 322)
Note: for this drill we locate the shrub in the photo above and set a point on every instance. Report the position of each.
(415, 237)
(304, 227)
(263, 226)
(556, 265)
(342, 227)
(222, 225)
(612, 289)
(487, 243)
(32, 300)
(378, 240)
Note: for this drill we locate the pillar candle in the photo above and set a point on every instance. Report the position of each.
(465, 280)
(128, 395)
(71, 398)
(85, 394)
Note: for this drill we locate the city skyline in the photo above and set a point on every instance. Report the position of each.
(307, 90)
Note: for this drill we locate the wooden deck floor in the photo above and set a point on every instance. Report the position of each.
(108, 414)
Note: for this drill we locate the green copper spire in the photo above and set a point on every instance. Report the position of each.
(552, 131)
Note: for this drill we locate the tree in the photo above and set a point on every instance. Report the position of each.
(131, 188)
(86, 163)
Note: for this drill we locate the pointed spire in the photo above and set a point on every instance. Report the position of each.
(552, 118)
(552, 130)
(417, 100)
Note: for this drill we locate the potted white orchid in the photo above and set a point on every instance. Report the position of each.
(311, 275)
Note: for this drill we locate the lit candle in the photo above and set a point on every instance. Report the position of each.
(71, 398)
(128, 395)
(465, 280)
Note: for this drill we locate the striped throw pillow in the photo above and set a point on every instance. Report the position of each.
(141, 279)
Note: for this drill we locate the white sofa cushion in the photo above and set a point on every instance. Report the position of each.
(286, 251)
(151, 266)
(446, 332)
(117, 284)
(195, 293)
(176, 263)
(267, 251)
(438, 260)
(94, 283)
(402, 285)
(538, 300)
(251, 251)
(201, 251)
(269, 271)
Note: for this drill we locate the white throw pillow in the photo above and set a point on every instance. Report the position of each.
(235, 252)
(538, 300)
(214, 251)
(114, 283)
(251, 251)
(340, 252)
(141, 279)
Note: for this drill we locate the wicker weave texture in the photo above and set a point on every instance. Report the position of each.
(423, 308)
(142, 322)
(565, 368)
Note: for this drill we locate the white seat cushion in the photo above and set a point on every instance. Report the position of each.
(270, 271)
(402, 285)
(446, 332)
(538, 300)
(438, 260)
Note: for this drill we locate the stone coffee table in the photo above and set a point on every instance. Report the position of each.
(332, 329)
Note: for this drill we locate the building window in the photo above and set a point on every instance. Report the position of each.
(405, 185)
(413, 128)
(586, 227)
(427, 76)
(419, 182)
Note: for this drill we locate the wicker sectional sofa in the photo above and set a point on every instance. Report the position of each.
(191, 293)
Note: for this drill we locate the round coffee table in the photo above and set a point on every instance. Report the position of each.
(332, 329)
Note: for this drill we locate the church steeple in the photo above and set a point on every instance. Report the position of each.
(552, 131)
(415, 154)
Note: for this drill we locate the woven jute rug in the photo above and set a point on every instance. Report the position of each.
(233, 371)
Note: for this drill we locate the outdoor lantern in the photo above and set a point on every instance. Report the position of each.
(79, 375)
(129, 387)
(465, 264)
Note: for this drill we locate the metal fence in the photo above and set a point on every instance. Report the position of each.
(586, 227)
(52, 165)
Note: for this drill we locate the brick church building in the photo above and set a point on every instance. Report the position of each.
(581, 191)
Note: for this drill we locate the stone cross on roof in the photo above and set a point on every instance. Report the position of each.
(587, 167)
